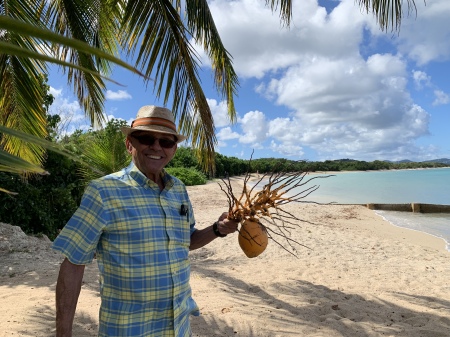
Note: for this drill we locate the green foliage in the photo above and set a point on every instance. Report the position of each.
(103, 151)
(185, 157)
(43, 204)
(230, 166)
(189, 176)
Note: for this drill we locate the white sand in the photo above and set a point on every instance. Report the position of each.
(361, 277)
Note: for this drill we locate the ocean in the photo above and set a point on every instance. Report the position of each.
(430, 186)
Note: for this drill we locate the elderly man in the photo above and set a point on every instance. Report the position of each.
(140, 224)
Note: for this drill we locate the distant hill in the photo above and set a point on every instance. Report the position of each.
(441, 161)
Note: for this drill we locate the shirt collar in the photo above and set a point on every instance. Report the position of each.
(142, 180)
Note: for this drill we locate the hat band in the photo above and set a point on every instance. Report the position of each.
(154, 121)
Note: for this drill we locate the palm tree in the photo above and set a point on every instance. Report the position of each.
(85, 37)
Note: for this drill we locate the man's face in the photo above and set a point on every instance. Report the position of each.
(148, 154)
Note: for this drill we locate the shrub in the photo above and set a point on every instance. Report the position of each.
(43, 203)
(189, 176)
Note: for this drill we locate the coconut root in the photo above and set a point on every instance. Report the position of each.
(265, 206)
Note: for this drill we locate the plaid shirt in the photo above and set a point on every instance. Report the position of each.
(142, 245)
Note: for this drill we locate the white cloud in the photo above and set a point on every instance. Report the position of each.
(347, 107)
(254, 128)
(70, 112)
(258, 43)
(421, 79)
(441, 98)
(421, 44)
(226, 134)
(119, 95)
(287, 149)
(219, 112)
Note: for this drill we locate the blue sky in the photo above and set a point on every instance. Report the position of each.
(331, 86)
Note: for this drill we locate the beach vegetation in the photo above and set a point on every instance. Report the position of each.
(189, 176)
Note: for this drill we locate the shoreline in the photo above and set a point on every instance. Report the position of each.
(418, 236)
(362, 171)
(445, 242)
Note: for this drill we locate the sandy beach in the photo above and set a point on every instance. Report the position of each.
(360, 276)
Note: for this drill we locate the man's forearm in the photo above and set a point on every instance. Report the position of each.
(221, 228)
(67, 291)
(202, 237)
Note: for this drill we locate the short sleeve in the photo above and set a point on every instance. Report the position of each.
(79, 238)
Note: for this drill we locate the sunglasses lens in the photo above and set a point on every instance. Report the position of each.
(150, 140)
(145, 140)
(166, 143)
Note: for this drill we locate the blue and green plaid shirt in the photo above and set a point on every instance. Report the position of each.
(142, 243)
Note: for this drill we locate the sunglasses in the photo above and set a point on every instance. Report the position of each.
(150, 140)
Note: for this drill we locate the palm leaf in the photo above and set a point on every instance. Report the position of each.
(388, 13)
(22, 99)
(14, 50)
(156, 30)
(14, 164)
(85, 21)
(7, 161)
(104, 153)
(201, 24)
(27, 29)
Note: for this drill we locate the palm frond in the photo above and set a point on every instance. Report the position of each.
(14, 164)
(13, 50)
(105, 153)
(285, 9)
(156, 30)
(7, 161)
(22, 99)
(201, 24)
(389, 13)
(86, 21)
(27, 29)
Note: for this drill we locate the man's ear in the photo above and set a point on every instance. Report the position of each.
(128, 145)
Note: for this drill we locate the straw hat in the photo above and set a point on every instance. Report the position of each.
(153, 118)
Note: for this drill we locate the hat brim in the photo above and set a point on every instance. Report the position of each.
(126, 130)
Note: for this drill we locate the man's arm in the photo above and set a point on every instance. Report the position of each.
(202, 237)
(68, 289)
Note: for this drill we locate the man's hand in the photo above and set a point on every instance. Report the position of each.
(202, 237)
(225, 225)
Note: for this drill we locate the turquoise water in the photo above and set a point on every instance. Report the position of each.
(431, 186)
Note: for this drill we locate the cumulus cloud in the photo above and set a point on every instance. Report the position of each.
(441, 98)
(253, 35)
(350, 107)
(118, 95)
(227, 134)
(347, 97)
(421, 79)
(219, 111)
(430, 44)
(287, 149)
(254, 128)
(70, 112)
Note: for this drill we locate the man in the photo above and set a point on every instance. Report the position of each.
(139, 223)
